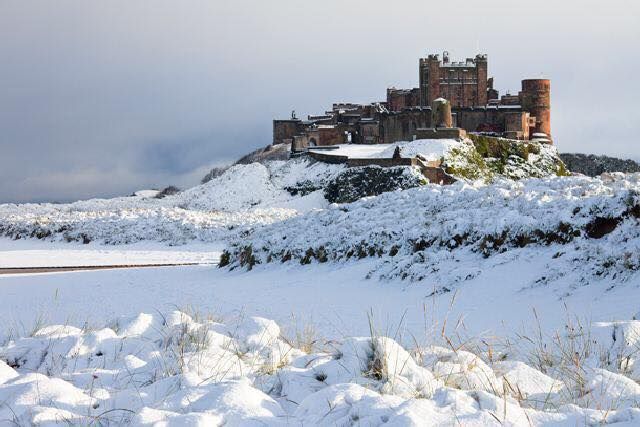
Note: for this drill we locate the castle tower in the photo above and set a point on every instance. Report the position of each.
(536, 99)
(482, 79)
(441, 113)
(429, 77)
(463, 83)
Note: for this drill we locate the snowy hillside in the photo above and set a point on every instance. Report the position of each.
(593, 165)
(475, 158)
(447, 232)
(461, 269)
(175, 369)
(249, 196)
(244, 196)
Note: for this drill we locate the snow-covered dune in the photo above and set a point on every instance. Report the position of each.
(445, 232)
(505, 251)
(176, 369)
(245, 196)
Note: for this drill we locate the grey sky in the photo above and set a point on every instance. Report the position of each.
(103, 98)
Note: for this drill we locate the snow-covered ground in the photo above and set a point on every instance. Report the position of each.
(35, 253)
(430, 149)
(542, 271)
(179, 369)
(335, 298)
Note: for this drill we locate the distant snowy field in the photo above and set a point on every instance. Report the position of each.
(503, 304)
(34, 253)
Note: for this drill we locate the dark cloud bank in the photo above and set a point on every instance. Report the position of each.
(103, 98)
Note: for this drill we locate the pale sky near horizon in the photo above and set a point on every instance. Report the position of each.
(104, 98)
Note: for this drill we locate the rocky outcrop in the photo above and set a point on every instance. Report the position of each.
(507, 158)
(167, 191)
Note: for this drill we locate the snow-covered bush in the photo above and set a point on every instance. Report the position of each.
(418, 230)
(167, 191)
(355, 183)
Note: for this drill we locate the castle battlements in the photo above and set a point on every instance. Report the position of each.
(476, 106)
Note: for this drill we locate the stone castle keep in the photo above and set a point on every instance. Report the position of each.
(407, 113)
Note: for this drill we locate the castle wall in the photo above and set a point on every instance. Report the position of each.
(284, 130)
(440, 133)
(473, 120)
(369, 133)
(494, 120)
(328, 158)
(401, 126)
(399, 99)
(516, 125)
(328, 135)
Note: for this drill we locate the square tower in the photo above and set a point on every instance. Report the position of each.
(462, 83)
(429, 72)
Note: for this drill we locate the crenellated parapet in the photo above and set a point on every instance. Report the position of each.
(467, 92)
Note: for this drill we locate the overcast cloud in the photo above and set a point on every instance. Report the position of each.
(103, 98)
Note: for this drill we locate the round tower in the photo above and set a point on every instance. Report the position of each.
(536, 99)
(441, 113)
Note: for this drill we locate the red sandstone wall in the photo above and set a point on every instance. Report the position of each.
(402, 126)
(482, 76)
(331, 136)
(536, 98)
(434, 80)
(398, 99)
(285, 129)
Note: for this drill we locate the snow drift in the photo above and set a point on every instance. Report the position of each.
(176, 369)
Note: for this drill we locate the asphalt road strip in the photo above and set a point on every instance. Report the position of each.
(30, 270)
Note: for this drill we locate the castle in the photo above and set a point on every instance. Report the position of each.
(407, 113)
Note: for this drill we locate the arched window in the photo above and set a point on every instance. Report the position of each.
(313, 142)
